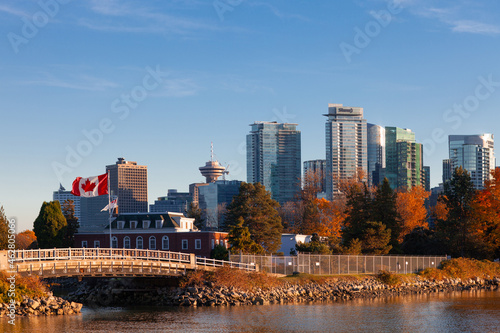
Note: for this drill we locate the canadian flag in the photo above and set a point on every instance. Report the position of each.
(91, 186)
(112, 205)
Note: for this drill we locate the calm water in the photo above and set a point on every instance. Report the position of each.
(451, 312)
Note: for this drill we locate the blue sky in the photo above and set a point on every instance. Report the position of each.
(73, 67)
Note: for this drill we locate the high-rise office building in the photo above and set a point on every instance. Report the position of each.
(62, 195)
(129, 182)
(376, 153)
(175, 202)
(426, 183)
(346, 146)
(475, 153)
(447, 170)
(404, 159)
(274, 158)
(213, 201)
(317, 168)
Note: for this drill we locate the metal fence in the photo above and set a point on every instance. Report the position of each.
(339, 264)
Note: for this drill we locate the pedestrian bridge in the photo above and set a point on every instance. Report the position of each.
(97, 262)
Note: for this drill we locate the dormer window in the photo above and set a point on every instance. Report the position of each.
(121, 224)
(146, 224)
(159, 224)
(133, 224)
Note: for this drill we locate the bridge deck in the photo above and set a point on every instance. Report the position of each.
(113, 263)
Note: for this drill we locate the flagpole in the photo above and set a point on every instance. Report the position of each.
(109, 210)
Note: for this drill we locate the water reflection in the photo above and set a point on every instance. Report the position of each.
(450, 312)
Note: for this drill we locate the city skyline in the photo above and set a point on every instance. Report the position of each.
(156, 82)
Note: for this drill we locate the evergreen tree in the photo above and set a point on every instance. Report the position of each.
(72, 224)
(456, 229)
(376, 238)
(358, 213)
(259, 212)
(241, 241)
(4, 230)
(50, 225)
(384, 211)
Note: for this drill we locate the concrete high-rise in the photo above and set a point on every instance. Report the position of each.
(346, 146)
(129, 182)
(274, 158)
(475, 153)
(404, 159)
(376, 153)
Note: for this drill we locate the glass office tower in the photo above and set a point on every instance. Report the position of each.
(274, 158)
(475, 153)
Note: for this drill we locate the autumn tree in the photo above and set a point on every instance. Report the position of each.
(456, 229)
(410, 207)
(25, 239)
(259, 212)
(331, 217)
(195, 212)
(4, 230)
(306, 205)
(50, 225)
(486, 214)
(290, 212)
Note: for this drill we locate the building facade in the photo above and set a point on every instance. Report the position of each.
(318, 169)
(62, 195)
(213, 200)
(404, 159)
(154, 231)
(174, 202)
(129, 182)
(346, 145)
(375, 136)
(474, 153)
(274, 159)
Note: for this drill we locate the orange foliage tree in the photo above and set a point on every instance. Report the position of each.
(25, 239)
(331, 217)
(486, 214)
(410, 206)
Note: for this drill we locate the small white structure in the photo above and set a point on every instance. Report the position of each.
(288, 242)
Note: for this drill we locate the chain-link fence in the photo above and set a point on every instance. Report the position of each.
(339, 264)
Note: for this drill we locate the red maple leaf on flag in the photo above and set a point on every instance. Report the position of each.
(88, 186)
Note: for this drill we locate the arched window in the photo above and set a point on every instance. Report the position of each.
(164, 243)
(152, 243)
(138, 243)
(114, 242)
(126, 242)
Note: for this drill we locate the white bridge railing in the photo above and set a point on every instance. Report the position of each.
(98, 253)
(57, 257)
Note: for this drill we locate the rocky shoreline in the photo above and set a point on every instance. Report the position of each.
(40, 306)
(122, 292)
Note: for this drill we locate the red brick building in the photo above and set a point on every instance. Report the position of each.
(154, 231)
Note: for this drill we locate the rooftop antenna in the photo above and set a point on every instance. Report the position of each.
(211, 151)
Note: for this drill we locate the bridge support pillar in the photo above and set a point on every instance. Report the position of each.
(192, 260)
